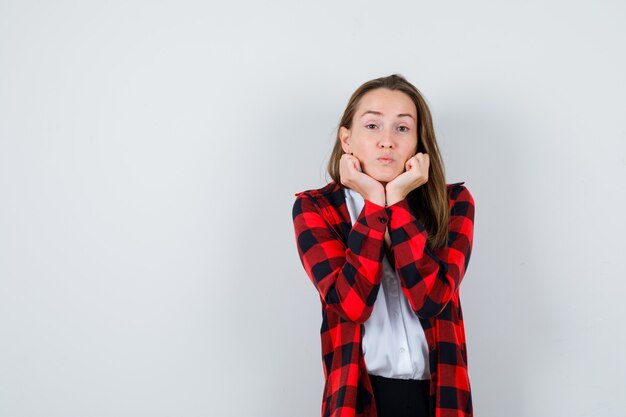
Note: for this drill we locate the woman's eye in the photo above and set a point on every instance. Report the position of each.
(370, 126)
(403, 129)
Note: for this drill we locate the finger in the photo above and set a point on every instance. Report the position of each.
(354, 161)
(350, 161)
(357, 165)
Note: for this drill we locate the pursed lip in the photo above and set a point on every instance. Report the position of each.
(385, 159)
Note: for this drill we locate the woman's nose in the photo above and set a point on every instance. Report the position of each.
(386, 140)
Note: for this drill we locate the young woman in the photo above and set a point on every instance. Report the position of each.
(386, 244)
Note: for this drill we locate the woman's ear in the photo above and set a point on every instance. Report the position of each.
(344, 136)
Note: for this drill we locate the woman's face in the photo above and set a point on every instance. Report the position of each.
(383, 135)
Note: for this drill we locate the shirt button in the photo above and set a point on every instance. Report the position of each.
(401, 350)
(431, 347)
(382, 220)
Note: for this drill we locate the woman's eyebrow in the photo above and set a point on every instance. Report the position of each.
(377, 113)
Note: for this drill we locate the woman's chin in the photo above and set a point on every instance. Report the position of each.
(383, 177)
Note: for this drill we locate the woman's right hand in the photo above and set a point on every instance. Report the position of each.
(352, 177)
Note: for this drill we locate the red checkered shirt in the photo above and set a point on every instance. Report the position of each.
(344, 262)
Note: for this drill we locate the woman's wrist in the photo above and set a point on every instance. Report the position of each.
(393, 198)
(376, 200)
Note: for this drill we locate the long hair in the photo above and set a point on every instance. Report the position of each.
(429, 202)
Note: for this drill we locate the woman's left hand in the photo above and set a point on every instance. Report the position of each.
(415, 175)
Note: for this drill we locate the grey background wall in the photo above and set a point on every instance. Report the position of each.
(149, 153)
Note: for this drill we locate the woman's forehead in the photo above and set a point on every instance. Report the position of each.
(387, 103)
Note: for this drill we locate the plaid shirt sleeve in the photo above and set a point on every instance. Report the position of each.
(430, 279)
(347, 278)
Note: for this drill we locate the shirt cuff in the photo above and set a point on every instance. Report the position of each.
(400, 214)
(374, 216)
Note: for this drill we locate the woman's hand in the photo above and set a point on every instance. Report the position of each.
(416, 174)
(352, 177)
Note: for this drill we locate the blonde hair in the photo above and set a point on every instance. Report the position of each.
(428, 202)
